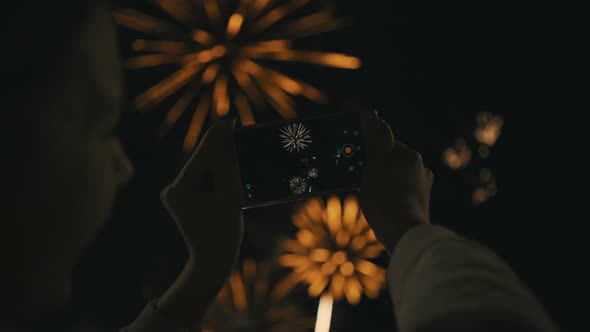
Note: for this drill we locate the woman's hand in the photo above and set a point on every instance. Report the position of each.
(395, 191)
(205, 202)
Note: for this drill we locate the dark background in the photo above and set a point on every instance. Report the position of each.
(430, 69)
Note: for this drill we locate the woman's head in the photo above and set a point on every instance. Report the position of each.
(64, 162)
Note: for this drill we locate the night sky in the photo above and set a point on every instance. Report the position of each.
(429, 70)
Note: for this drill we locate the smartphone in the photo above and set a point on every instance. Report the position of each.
(286, 161)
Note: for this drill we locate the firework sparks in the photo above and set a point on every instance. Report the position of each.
(218, 51)
(457, 156)
(486, 187)
(296, 137)
(298, 185)
(332, 251)
(246, 304)
(489, 128)
(313, 173)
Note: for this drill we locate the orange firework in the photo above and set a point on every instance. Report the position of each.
(486, 187)
(489, 128)
(332, 251)
(457, 156)
(245, 304)
(218, 52)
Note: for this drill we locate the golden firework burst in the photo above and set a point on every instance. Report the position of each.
(218, 48)
(489, 128)
(457, 156)
(245, 304)
(332, 251)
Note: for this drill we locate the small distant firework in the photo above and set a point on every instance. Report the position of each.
(299, 185)
(486, 187)
(457, 156)
(489, 128)
(222, 50)
(313, 173)
(332, 251)
(246, 304)
(296, 137)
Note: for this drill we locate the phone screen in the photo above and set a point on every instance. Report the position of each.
(298, 159)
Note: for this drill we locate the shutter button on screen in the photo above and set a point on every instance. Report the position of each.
(348, 150)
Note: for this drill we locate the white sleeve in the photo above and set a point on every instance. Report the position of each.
(440, 281)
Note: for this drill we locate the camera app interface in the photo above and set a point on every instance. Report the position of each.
(299, 159)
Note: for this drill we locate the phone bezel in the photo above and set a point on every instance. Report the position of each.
(279, 122)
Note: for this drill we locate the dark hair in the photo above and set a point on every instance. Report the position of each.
(36, 34)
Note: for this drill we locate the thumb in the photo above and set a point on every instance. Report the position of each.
(377, 135)
(226, 171)
(197, 175)
(212, 147)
